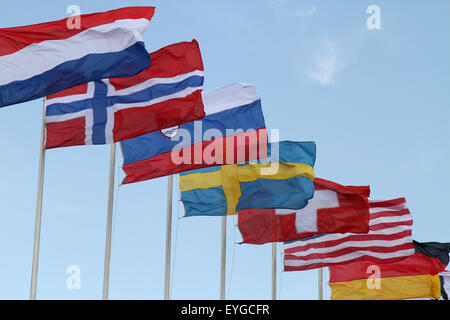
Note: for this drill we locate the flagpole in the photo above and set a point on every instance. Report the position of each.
(37, 224)
(168, 237)
(320, 283)
(223, 258)
(109, 218)
(274, 271)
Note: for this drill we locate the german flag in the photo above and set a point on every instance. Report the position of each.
(416, 276)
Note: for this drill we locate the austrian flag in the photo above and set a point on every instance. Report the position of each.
(110, 110)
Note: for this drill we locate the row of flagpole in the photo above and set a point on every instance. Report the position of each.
(109, 220)
(37, 224)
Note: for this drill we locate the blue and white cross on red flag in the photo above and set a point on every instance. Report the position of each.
(110, 110)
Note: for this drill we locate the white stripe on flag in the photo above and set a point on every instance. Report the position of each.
(67, 116)
(232, 96)
(179, 94)
(350, 256)
(74, 97)
(154, 81)
(342, 236)
(380, 220)
(354, 244)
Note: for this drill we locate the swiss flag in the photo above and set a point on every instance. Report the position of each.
(333, 209)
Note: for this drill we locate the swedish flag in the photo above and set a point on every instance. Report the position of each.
(286, 181)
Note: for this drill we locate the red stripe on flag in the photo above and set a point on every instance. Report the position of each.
(170, 61)
(387, 225)
(65, 133)
(380, 214)
(162, 164)
(132, 122)
(81, 89)
(351, 249)
(354, 237)
(322, 184)
(415, 264)
(16, 38)
(323, 265)
(387, 203)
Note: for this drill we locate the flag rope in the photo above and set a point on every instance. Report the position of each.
(176, 239)
(168, 254)
(115, 211)
(109, 219)
(232, 257)
(281, 271)
(39, 199)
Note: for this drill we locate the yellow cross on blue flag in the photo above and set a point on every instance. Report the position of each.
(286, 181)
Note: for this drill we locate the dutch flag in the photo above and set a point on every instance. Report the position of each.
(43, 59)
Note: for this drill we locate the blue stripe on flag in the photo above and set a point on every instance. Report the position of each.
(149, 145)
(292, 193)
(295, 152)
(204, 202)
(100, 116)
(306, 239)
(158, 91)
(76, 72)
(147, 94)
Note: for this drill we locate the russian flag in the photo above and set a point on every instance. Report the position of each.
(43, 59)
(110, 110)
(232, 131)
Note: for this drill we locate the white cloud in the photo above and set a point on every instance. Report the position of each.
(303, 13)
(325, 63)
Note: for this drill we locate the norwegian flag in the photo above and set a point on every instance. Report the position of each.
(110, 110)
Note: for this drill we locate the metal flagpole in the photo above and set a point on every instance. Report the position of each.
(168, 237)
(37, 224)
(320, 283)
(223, 259)
(109, 218)
(274, 271)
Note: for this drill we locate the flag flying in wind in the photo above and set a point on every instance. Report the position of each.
(416, 276)
(110, 110)
(220, 191)
(333, 209)
(232, 131)
(445, 284)
(43, 59)
(438, 250)
(388, 240)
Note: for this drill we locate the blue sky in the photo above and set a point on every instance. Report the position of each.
(376, 102)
